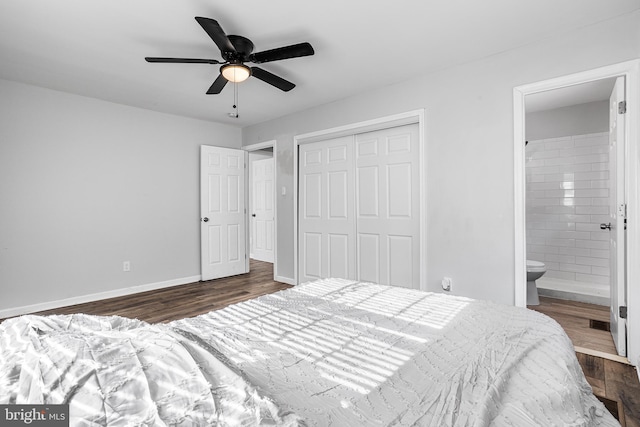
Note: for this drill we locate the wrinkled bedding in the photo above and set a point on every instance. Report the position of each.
(120, 372)
(328, 353)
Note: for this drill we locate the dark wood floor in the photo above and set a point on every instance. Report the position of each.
(177, 302)
(577, 319)
(613, 382)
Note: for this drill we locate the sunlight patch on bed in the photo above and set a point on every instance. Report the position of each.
(433, 310)
(329, 335)
(323, 288)
(340, 352)
(344, 382)
(372, 325)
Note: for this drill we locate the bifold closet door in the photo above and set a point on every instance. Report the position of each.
(359, 212)
(388, 206)
(326, 221)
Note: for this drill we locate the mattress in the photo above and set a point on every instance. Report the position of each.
(328, 353)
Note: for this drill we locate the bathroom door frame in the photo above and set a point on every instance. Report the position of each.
(631, 71)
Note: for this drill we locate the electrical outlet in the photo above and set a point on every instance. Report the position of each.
(446, 283)
(126, 266)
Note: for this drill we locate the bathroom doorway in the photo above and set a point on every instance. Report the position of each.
(569, 177)
(572, 191)
(572, 195)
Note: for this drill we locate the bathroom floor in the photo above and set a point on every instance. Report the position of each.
(586, 324)
(613, 381)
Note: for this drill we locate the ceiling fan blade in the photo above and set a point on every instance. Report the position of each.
(217, 86)
(182, 60)
(216, 33)
(286, 52)
(272, 79)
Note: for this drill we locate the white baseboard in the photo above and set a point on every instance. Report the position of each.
(18, 311)
(592, 293)
(287, 280)
(593, 289)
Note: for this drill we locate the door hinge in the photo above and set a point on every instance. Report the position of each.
(622, 210)
(622, 107)
(623, 312)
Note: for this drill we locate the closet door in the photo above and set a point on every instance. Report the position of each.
(326, 210)
(387, 206)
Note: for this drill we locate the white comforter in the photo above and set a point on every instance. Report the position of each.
(120, 372)
(331, 352)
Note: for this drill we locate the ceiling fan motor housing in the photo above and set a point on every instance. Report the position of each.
(243, 46)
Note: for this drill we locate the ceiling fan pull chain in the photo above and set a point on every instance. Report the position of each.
(235, 100)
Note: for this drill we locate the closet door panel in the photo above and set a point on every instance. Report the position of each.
(313, 196)
(400, 250)
(368, 198)
(369, 257)
(399, 191)
(312, 260)
(338, 255)
(327, 216)
(388, 205)
(338, 183)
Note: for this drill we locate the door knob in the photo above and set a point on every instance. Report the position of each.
(205, 219)
(253, 215)
(604, 226)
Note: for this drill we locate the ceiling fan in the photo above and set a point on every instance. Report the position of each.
(236, 50)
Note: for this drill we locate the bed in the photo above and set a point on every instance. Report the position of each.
(327, 353)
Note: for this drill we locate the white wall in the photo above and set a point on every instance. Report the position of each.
(469, 133)
(85, 185)
(579, 119)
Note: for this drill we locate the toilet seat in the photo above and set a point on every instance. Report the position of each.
(535, 266)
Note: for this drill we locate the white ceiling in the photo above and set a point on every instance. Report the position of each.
(96, 48)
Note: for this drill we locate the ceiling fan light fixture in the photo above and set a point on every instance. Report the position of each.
(235, 73)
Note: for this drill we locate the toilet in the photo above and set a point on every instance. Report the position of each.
(535, 270)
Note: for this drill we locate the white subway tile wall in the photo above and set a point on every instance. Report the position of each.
(567, 199)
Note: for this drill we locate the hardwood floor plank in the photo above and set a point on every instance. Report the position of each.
(622, 385)
(574, 317)
(593, 368)
(576, 309)
(177, 302)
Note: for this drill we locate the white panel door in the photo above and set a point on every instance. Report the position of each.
(222, 209)
(616, 215)
(262, 225)
(326, 227)
(388, 206)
